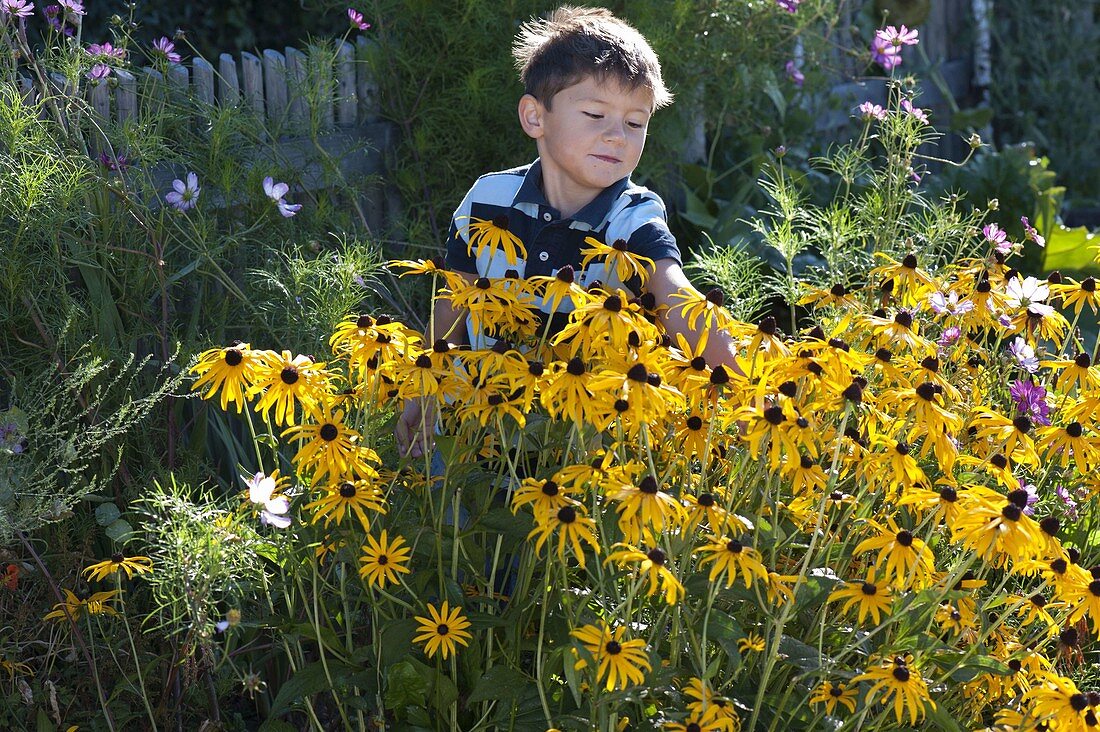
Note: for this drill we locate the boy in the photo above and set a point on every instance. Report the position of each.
(592, 83)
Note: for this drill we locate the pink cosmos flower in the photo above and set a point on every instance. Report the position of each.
(1024, 355)
(184, 196)
(789, 5)
(794, 74)
(897, 37)
(1030, 232)
(260, 490)
(106, 49)
(998, 237)
(869, 110)
(72, 8)
(276, 191)
(884, 54)
(950, 336)
(949, 304)
(99, 72)
(915, 111)
(165, 49)
(356, 20)
(18, 8)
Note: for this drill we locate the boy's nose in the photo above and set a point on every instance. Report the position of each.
(615, 132)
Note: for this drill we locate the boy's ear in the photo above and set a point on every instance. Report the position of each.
(530, 116)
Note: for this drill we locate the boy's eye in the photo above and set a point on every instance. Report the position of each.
(593, 116)
(636, 125)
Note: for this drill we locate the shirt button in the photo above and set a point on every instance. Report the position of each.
(547, 216)
(543, 256)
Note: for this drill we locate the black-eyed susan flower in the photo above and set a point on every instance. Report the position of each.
(620, 663)
(1076, 295)
(228, 372)
(1057, 699)
(116, 563)
(618, 259)
(694, 306)
(330, 448)
(77, 606)
(1001, 530)
(752, 643)
(487, 236)
(433, 266)
(572, 528)
(706, 508)
(383, 560)
(704, 699)
(904, 559)
(604, 325)
(732, 559)
(1064, 444)
(898, 680)
(833, 695)
(559, 288)
(1010, 436)
(651, 565)
(1078, 371)
(286, 382)
(870, 597)
(710, 719)
(347, 497)
(566, 392)
(443, 630)
(639, 393)
(942, 502)
(545, 496)
(837, 296)
(911, 284)
(643, 507)
(491, 301)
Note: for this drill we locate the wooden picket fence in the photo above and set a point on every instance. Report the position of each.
(306, 101)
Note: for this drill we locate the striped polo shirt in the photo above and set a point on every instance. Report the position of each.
(622, 211)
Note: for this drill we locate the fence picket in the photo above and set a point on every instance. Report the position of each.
(125, 95)
(100, 97)
(252, 82)
(321, 66)
(275, 85)
(346, 101)
(202, 75)
(229, 90)
(366, 86)
(178, 78)
(297, 113)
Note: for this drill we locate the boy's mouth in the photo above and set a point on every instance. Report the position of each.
(607, 158)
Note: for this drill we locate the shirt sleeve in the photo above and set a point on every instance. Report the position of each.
(642, 224)
(459, 258)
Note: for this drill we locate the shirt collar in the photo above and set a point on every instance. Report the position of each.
(530, 191)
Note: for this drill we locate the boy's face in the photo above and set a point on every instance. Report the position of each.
(591, 137)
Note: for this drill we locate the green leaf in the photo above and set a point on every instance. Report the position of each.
(396, 640)
(106, 514)
(277, 725)
(800, 654)
(1071, 249)
(43, 723)
(940, 719)
(405, 687)
(499, 682)
(726, 631)
(119, 530)
(973, 118)
(444, 693)
(307, 681)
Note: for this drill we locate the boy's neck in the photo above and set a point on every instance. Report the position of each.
(562, 196)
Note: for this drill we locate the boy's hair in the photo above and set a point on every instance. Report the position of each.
(573, 43)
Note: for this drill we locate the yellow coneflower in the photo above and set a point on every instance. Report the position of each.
(572, 527)
(330, 447)
(911, 284)
(1011, 436)
(493, 234)
(997, 531)
(645, 506)
(228, 372)
(383, 559)
(118, 563)
(621, 662)
(1076, 295)
(286, 382)
(604, 325)
(732, 558)
(544, 496)
(709, 307)
(837, 296)
(78, 606)
(752, 643)
(559, 288)
(1057, 699)
(651, 565)
(618, 258)
(445, 629)
(904, 559)
(871, 598)
(710, 720)
(346, 497)
(832, 695)
(1078, 371)
(1069, 443)
(899, 680)
(566, 392)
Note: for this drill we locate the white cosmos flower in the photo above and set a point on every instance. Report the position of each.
(260, 490)
(1028, 293)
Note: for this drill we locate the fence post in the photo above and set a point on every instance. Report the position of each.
(275, 86)
(297, 88)
(252, 82)
(229, 90)
(346, 100)
(202, 75)
(366, 86)
(125, 95)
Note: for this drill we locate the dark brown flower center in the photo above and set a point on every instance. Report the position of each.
(910, 261)
(774, 415)
(649, 485)
(901, 673)
(716, 297)
(289, 375)
(423, 361)
(442, 629)
(613, 648)
(637, 373)
(1073, 429)
(927, 391)
(347, 490)
(656, 556)
(768, 326)
(233, 357)
(575, 367)
(695, 423)
(566, 274)
(838, 290)
(550, 488)
(706, 500)
(117, 558)
(1011, 512)
(905, 538)
(869, 589)
(949, 494)
(567, 514)
(329, 432)
(613, 303)
(904, 319)
(1082, 360)
(734, 546)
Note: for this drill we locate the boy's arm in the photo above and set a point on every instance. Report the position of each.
(415, 428)
(668, 279)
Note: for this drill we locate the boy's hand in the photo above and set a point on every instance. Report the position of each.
(415, 429)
